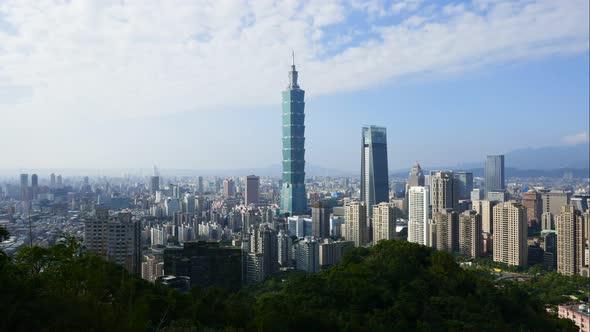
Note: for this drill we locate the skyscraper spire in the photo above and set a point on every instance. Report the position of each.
(293, 74)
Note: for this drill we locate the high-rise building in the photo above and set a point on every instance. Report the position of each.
(444, 191)
(494, 174)
(200, 185)
(446, 228)
(510, 233)
(476, 195)
(416, 177)
(374, 171)
(263, 240)
(206, 263)
(285, 252)
(152, 267)
(59, 181)
(355, 219)
(320, 220)
(485, 208)
(470, 234)
(34, 186)
(465, 184)
(383, 222)
(24, 187)
(534, 207)
(118, 239)
(571, 241)
(554, 200)
(252, 190)
(307, 255)
(229, 188)
(331, 252)
(293, 195)
(154, 184)
(549, 245)
(418, 215)
(52, 180)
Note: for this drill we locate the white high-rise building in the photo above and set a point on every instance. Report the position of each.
(418, 215)
(357, 229)
(307, 255)
(383, 222)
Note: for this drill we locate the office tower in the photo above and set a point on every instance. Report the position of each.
(320, 220)
(444, 191)
(229, 188)
(118, 240)
(59, 181)
(24, 187)
(34, 186)
(554, 200)
(296, 225)
(465, 184)
(293, 196)
(254, 267)
(383, 222)
(470, 234)
(374, 171)
(263, 240)
(252, 189)
(494, 174)
(418, 215)
(154, 184)
(206, 263)
(571, 240)
(549, 238)
(307, 255)
(355, 219)
(152, 267)
(446, 225)
(331, 252)
(547, 221)
(52, 180)
(485, 208)
(496, 196)
(534, 207)
(510, 233)
(285, 251)
(476, 195)
(200, 185)
(416, 177)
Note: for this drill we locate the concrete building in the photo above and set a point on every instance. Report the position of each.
(331, 252)
(579, 313)
(418, 215)
(285, 250)
(263, 240)
(554, 200)
(229, 188)
(355, 216)
(307, 255)
(320, 220)
(494, 175)
(446, 225)
(534, 206)
(383, 222)
(510, 234)
(444, 191)
(152, 267)
(470, 234)
(571, 241)
(547, 221)
(485, 208)
(549, 245)
(252, 190)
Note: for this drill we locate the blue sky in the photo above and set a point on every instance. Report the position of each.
(197, 86)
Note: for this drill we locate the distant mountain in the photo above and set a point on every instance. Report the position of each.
(554, 157)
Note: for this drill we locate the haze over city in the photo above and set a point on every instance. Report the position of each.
(109, 84)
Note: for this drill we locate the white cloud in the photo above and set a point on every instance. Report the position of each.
(579, 138)
(87, 60)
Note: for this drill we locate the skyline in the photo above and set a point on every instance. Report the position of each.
(82, 119)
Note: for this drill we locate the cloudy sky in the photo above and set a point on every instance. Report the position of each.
(196, 84)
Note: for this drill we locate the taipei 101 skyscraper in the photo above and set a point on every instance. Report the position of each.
(293, 196)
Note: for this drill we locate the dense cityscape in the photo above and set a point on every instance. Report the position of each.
(200, 231)
(327, 165)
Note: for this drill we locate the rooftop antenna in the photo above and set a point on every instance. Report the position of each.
(293, 55)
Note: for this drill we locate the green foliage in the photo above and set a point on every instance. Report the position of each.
(395, 285)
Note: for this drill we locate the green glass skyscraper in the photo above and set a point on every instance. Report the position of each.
(293, 197)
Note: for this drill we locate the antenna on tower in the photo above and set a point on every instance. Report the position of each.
(293, 55)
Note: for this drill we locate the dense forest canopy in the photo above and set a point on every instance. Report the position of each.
(394, 285)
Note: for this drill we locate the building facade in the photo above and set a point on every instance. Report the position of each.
(374, 170)
(418, 215)
(494, 174)
(510, 234)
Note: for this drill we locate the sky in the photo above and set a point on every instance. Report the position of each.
(197, 84)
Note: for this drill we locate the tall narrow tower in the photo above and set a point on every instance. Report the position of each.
(374, 171)
(293, 197)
